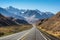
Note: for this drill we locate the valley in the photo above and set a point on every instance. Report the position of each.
(14, 21)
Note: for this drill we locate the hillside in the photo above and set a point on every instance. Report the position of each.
(8, 21)
(4, 21)
(52, 25)
(10, 25)
(41, 21)
(20, 21)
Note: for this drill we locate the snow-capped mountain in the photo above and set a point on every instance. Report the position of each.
(15, 10)
(28, 15)
(34, 15)
(10, 14)
(5, 12)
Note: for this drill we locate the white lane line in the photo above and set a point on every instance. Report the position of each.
(40, 33)
(43, 36)
(25, 34)
(11, 35)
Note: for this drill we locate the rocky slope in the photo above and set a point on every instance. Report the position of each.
(52, 25)
(6, 21)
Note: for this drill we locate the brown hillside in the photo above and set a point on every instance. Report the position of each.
(52, 25)
(4, 21)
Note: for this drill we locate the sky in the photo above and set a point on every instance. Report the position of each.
(42, 5)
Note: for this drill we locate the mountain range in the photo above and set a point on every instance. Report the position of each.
(29, 15)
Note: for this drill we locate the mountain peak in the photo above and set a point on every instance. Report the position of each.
(10, 7)
(1, 8)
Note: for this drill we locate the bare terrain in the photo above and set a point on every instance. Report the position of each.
(7, 30)
(51, 26)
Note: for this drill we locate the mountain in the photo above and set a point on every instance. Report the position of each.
(4, 21)
(20, 21)
(12, 10)
(8, 21)
(10, 14)
(29, 15)
(5, 12)
(34, 15)
(52, 22)
(37, 13)
(16, 11)
(52, 25)
(40, 21)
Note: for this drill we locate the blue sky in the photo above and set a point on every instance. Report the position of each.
(42, 5)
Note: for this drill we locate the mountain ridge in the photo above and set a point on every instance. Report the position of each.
(9, 21)
(26, 14)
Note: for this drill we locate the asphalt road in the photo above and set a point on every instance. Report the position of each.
(15, 36)
(34, 34)
(31, 34)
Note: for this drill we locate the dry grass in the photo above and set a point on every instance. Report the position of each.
(56, 33)
(13, 29)
(52, 25)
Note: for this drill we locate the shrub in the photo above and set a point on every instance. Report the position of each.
(1, 33)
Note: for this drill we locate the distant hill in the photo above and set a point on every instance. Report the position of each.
(33, 14)
(10, 14)
(29, 15)
(4, 21)
(53, 23)
(8, 21)
(40, 21)
(20, 21)
(38, 14)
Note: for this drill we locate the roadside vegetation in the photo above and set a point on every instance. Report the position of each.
(53, 33)
(7, 30)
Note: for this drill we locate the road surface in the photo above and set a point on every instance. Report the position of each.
(34, 34)
(31, 34)
(15, 36)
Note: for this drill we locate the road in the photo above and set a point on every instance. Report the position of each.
(34, 34)
(31, 34)
(15, 36)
